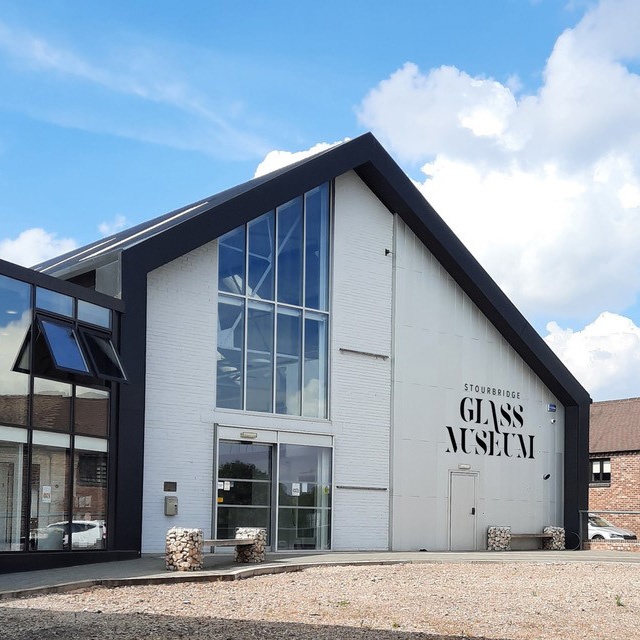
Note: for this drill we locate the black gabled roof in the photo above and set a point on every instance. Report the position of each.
(154, 243)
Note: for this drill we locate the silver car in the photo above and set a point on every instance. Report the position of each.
(601, 529)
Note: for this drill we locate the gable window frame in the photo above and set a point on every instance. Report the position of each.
(600, 471)
(249, 299)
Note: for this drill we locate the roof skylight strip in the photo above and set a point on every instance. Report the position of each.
(143, 232)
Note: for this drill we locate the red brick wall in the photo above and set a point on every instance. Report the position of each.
(623, 494)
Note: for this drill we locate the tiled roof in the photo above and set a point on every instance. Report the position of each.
(615, 426)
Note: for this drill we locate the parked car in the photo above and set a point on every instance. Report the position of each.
(85, 534)
(601, 529)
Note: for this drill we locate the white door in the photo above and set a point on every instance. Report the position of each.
(462, 511)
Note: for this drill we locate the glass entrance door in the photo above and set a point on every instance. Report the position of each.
(245, 472)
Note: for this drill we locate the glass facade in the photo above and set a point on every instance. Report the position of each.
(273, 310)
(55, 406)
(284, 488)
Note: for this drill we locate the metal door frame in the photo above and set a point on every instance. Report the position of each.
(475, 475)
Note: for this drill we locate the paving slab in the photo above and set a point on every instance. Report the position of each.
(150, 568)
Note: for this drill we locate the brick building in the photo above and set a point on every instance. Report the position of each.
(614, 452)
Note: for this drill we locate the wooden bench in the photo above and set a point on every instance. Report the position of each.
(250, 547)
(231, 542)
(531, 535)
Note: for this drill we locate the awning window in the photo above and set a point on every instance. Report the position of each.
(103, 356)
(63, 350)
(64, 347)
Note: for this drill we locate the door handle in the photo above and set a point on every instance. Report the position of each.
(473, 511)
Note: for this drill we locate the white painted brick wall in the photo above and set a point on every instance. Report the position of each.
(360, 384)
(181, 360)
(442, 340)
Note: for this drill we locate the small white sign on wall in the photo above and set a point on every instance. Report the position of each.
(46, 493)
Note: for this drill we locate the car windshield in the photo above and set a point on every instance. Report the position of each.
(598, 521)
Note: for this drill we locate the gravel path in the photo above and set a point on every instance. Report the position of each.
(559, 601)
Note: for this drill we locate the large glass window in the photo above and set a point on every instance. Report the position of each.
(317, 248)
(88, 526)
(260, 356)
(304, 513)
(273, 334)
(51, 404)
(244, 487)
(49, 482)
(261, 263)
(15, 319)
(230, 352)
(13, 501)
(91, 414)
(55, 374)
(289, 363)
(249, 480)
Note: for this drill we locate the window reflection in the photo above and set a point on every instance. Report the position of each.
(13, 502)
(254, 334)
(51, 404)
(290, 252)
(88, 526)
(230, 350)
(49, 484)
(91, 414)
(304, 497)
(288, 365)
(15, 318)
(54, 301)
(260, 357)
(231, 262)
(317, 248)
(261, 268)
(315, 366)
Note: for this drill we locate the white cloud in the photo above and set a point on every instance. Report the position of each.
(109, 228)
(277, 159)
(144, 74)
(545, 188)
(604, 356)
(34, 246)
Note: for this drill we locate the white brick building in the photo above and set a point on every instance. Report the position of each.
(315, 352)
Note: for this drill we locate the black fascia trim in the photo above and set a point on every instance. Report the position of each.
(126, 530)
(61, 286)
(576, 476)
(14, 561)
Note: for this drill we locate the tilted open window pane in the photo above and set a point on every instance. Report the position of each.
(230, 350)
(231, 261)
(103, 356)
(63, 346)
(261, 262)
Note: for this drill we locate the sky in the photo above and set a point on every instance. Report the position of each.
(519, 120)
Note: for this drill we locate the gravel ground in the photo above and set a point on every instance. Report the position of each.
(562, 601)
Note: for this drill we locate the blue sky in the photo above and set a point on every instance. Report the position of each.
(113, 113)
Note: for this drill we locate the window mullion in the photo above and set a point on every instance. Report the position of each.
(245, 342)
